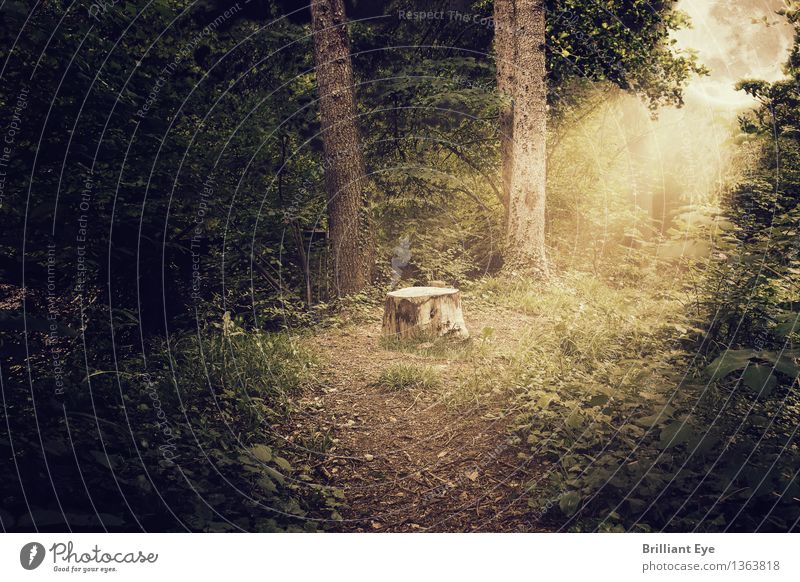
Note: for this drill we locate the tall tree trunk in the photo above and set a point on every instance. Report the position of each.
(525, 228)
(346, 184)
(505, 59)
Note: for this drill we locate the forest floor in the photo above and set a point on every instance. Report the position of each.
(436, 456)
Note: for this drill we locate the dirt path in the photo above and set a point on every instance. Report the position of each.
(411, 460)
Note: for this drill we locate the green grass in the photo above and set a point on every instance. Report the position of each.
(319, 442)
(585, 327)
(399, 377)
(257, 371)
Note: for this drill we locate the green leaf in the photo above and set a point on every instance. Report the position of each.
(267, 484)
(786, 363)
(283, 464)
(275, 475)
(789, 323)
(262, 452)
(759, 379)
(568, 502)
(729, 361)
(598, 400)
(575, 420)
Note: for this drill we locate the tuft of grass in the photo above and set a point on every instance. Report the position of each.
(319, 442)
(409, 376)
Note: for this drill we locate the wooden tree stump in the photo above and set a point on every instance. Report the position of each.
(424, 312)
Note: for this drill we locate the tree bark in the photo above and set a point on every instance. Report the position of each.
(505, 61)
(525, 222)
(346, 185)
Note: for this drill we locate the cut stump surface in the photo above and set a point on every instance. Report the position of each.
(424, 311)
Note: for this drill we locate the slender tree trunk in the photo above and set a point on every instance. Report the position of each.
(525, 228)
(346, 185)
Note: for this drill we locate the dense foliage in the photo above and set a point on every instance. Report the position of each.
(135, 179)
(164, 255)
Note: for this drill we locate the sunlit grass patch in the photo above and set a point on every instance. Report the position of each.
(585, 322)
(399, 377)
(476, 385)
